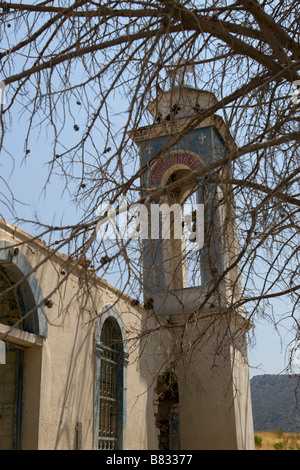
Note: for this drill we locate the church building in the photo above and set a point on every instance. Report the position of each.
(84, 366)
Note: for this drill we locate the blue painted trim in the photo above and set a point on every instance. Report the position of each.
(110, 312)
(29, 291)
(107, 312)
(208, 149)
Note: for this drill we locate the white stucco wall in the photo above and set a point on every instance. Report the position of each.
(59, 371)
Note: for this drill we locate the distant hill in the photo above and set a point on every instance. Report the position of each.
(276, 403)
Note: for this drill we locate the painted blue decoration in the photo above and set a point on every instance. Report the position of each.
(207, 144)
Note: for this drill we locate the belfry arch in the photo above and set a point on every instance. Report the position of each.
(175, 160)
(179, 259)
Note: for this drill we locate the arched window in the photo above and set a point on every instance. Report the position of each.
(182, 262)
(167, 412)
(110, 386)
(11, 373)
(21, 307)
(24, 294)
(10, 311)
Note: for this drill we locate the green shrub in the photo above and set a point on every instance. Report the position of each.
(278, 445)
(257, 440)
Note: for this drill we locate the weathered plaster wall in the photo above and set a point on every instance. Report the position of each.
(59, 372)
(214, 393)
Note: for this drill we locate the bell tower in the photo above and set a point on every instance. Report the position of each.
(193, 278)
(177, 272)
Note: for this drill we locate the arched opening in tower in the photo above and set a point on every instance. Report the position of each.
(167, 417)
(182, 259)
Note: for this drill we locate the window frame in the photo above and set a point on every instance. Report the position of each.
(111, 313)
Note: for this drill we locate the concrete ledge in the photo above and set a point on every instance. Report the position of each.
(184, 301)
(16, 336)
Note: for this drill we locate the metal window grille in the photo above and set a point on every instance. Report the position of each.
(10, 312)
(109, 399)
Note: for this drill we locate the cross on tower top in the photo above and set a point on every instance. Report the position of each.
(177, 72)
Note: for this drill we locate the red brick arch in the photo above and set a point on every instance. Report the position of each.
(188, 159)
